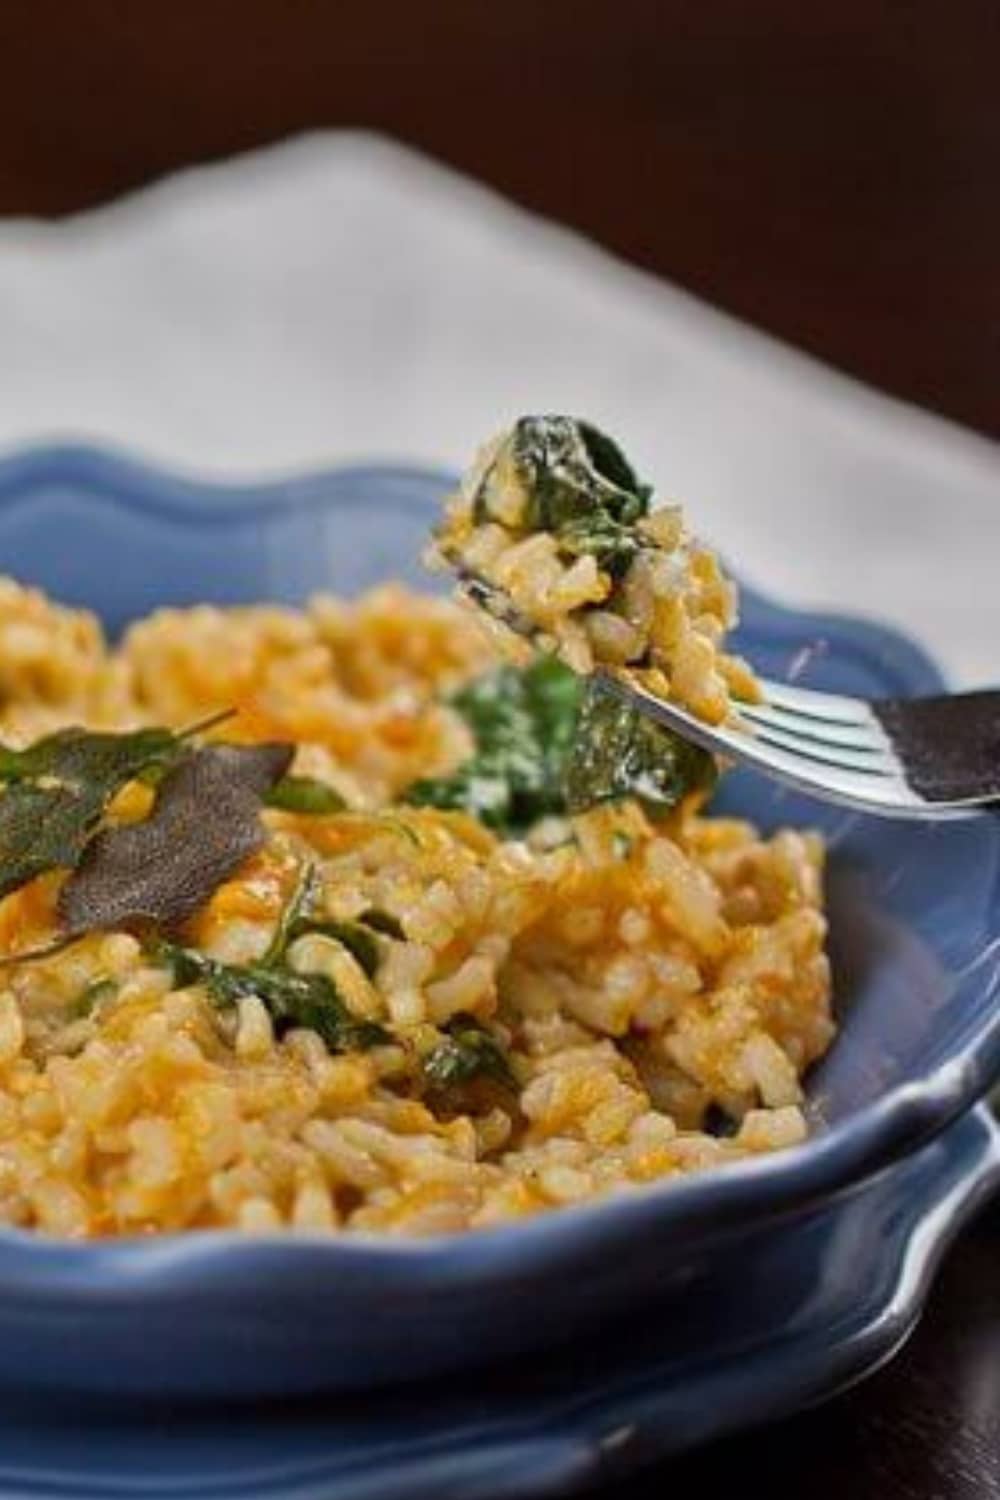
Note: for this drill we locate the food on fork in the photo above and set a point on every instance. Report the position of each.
(553, 515)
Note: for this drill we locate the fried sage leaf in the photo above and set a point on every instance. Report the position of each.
(618, 752)
(204, 823)
(83, 757)
(292, 999)
(57, 790)
(43, 828)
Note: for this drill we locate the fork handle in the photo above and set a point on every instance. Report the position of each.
(949, 745)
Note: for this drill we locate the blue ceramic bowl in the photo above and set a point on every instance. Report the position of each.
(916, 948)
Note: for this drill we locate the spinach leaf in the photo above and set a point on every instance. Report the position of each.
(549, 744)
(359, 941)
(292, 999)
(577, 483)
(619, 752)
(294, 911)
(305, 794)
(552, 695)
(470, 1051)
(92, 995)
(522, 721)
(382, 921)
(297, 920)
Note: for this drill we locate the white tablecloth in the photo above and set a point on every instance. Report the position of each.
(339, 296)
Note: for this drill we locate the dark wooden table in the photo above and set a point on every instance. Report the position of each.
(827, 169)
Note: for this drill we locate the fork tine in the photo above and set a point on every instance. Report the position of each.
(883, 792)
(869, 736)
(846, 750)
(872, 760)
(831, 708)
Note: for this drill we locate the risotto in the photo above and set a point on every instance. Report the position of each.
(553, 515)
(432, 998)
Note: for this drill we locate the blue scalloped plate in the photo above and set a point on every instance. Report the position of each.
(916, 923)
(781, 1336)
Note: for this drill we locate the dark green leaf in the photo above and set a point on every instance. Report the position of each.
(718, 1123)
(204, 823)
(610, 463)
(611, 544)
(93, 995)
(291, 999)
(312, 1000)
(576, 482)
(547, 744)
(57, 790)
(356, 938)
(552, 696)
(293, 912)
(82, 758)
(619, 753)
(470, 1051)
(523, 722)
(43, 828)
(486, 795)
(382, 921)
(305, 794)
(297, 921)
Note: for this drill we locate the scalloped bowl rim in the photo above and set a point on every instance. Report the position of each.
(731, 1198)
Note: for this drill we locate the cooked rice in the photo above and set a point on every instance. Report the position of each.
(664, 621)
(644, 976)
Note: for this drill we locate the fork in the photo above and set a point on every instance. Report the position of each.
(936, 757)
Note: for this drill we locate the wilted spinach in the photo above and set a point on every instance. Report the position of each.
(291, 999)
(469, 1054)
(91, 997)
(547, 744)
(619, 752)
(522, 723)
(383, 922)
(299, 919)
(578, 484)
(305, 794)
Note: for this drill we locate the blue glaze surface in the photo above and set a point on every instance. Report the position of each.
(745, 1348)
(916, 920)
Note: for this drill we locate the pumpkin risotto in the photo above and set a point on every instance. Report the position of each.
(432, 990)
(553, 516)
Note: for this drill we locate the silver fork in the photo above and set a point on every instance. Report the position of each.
(933, 757)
